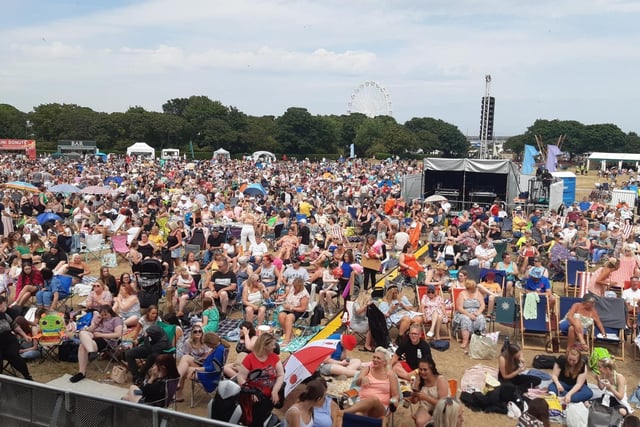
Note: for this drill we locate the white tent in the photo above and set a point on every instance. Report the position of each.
(141, 149)
(221, 154)
(265, 156)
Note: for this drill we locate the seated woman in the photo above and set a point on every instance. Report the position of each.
(448, 413)
(579, 320)
(245, 345)
(434, 311)
(437, 275)
(511, 268)
(77, 268)
(109, 280)
(29, 281)
(254, 294)
(149, 318)
(268, 272)
(398, 311)
(153, 390)
(105, 329)
(601, 278)
(210, 316)
(490, 289)
(301, 413)
(614, 384)
(511, 367)
(468, 317)
(98, 296)
(194, 351)
(378, 387)
(326, 412)
(207, 373)
(185, 288)
(569, 378)
(329, 289)
(127, 306)
(428, 388)
(295, 305)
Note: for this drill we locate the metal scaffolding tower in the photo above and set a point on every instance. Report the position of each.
(486, 121)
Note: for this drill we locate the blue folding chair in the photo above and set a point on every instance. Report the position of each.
(352, 420)
(564, 305)
(540, 327)
(571, 273)
(613, 313)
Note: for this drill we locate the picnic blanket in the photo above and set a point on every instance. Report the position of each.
(474, 378)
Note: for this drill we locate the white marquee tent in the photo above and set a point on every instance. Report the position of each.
(618, 158)
(221, 154)
(141, 149)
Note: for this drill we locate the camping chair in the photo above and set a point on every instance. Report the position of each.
(614, 323)
(572, 267)
(564, 305)
(110, 354)
(304, 321)
(119, 246)
(346, 321)
(94, 246)
(422, 291)
(501, 279)
(172, 335)
(170, 388)
(52, 333)
(538, 327)
(582, 281)
(500, 247)
(207, 382)
(66, 303)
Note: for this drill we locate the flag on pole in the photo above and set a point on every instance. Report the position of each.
(529, 161)
(552, 157)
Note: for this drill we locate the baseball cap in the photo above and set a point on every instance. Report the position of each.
(348, 342)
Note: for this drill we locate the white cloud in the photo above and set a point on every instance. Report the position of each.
(546, 57)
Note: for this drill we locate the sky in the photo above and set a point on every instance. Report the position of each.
(548, 59)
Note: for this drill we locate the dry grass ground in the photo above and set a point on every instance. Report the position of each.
(451, 363)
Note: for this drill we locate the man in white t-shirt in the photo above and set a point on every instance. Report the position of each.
(257, 250)
(401, 238)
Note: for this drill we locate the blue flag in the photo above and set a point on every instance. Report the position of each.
(529, 161)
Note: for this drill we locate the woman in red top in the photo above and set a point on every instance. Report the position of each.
(29, 282)
(256, 409)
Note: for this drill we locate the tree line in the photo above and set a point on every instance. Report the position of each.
(210, 125)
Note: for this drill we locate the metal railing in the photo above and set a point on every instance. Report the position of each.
(27, 403)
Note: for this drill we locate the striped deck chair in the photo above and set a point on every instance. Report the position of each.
(582, 282)
(540, 327)
(572, 267)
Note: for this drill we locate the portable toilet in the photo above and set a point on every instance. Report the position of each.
(569, 186)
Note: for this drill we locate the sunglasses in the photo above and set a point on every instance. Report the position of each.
(431, 292)
(197, 331)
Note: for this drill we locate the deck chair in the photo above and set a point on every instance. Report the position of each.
(501, 248)
(52, 333)
(613, 314)
(564, 305)
(354, 390)
(119, 246)
(94, 246)
(538, 327)
(206, 383)
(422, 291)
(506, 312)
(572, 267)
(582, 281)
(346, 321)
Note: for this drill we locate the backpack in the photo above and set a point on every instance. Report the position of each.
(543, 361)
(597, 354)
(317, 316)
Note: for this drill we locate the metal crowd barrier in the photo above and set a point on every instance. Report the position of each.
(27, 403)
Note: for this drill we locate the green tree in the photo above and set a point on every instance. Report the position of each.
(450, 141)
(13, 123)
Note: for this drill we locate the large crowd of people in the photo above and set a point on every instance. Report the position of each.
(224, 250)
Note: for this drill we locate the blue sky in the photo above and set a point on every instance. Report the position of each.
(568, 60)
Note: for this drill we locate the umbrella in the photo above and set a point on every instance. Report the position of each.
(64, 188)
(117, 179)
(95, 189)
(255, 190)
(20, 185)
(435, 198)
(48, 216)
(301, 364)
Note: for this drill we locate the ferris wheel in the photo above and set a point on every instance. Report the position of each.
(371, 99)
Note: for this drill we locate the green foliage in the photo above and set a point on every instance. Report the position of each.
(13, 123)
(434, 134)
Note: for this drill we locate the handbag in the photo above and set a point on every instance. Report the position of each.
(482, 347)
(603, 416)
(118, 374)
